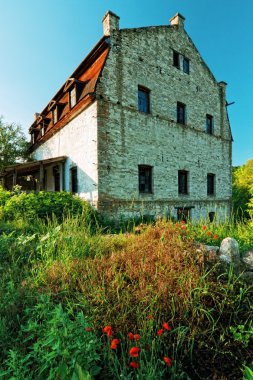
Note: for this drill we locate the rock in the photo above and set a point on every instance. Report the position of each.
(229, 251)
(247, 259)
(212, 248)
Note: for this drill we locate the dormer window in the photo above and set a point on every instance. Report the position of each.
(55, 114)
(72, 97)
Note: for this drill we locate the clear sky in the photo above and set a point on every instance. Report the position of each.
(43, 41)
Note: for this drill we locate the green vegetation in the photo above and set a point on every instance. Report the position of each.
(79, 303)
(243, 190)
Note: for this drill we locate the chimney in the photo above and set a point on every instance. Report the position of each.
(110, 23)
(178, 20)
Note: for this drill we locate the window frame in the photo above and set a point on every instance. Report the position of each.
(183, 182)
(146, 91)
(74, 88)
(148, 181)
(176, 59)
(74, 189)
(181, 106)
(210, 178)
(184, 213)
(209, 124)
(186, 65)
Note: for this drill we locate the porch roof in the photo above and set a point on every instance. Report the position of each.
(32, 166)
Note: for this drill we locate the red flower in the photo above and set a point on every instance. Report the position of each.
(134, 352)
(204, 228)
(131, 336)
(166, 326)
(182, 222)
(159, 333)
(167, 361)
(150, 316)
(134, 364)
(215, 237)
(176, 225)
(114, 343)
(88, 329)
(208, 233)
(136, 337)
(182, 227)
(108, 330)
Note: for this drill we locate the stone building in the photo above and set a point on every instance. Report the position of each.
(140, 127)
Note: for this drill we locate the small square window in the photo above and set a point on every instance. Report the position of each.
(186, 65)
(176, 61)
(145, 179)
(209, 124)
(183, 182)
(210, 184)
(143, 99)
(72, 97)
(181, 113)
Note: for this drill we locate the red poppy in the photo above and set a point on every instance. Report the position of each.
(204, 228)
(108, 330)
(131, 336)
(114, 343)
(166, 326)
(88, 329)
(182, 222)
(182, 227)
(215, 237)
(134, 364)
(176, 225)
(134, 352)
(208, 233)
(167, 360)
(159, 333)
(150, 316)
(136, 337)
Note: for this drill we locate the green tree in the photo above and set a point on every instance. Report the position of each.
(242, 185)
(13, 144)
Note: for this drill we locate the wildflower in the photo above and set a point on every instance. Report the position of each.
(108, 330)
(88, 329)
(208, 233)
(182, 227)
(134, 364)
(136, 337)
(159, 332)
(131, 336)
(167, 361)
(166, 326)
(204, 228)
(215, 237)
(176, 225)
(114, 344)
(134, 352)
(182, 222)
(150, 316)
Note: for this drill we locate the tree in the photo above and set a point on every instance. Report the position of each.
(242, 185)
(13, 144)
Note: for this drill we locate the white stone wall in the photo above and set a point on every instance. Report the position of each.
(128, 138)
(78, 141)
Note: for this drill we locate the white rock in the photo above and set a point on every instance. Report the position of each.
(229, 250)
(248, 259)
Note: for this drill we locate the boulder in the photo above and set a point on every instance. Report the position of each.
(229, 251)
(247, 259)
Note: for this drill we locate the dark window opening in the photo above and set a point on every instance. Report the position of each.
(211, 216)
(183, 214)
(210, 184)
(186, 65)
(181, 113)
(56, 174)
(176, 59)
(143, 99)
(182, 182)
(74, 182)
(145, 179)
(209, 124)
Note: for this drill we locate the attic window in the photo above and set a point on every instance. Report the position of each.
(176, 59)
(72, 97)
(55, 114)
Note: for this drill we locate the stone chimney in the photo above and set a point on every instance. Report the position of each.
(178, 20)
(110, 23)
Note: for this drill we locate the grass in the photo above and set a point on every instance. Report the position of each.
(62, 284)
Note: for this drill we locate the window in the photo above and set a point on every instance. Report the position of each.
(186, 65)
(72, 97)
(211, 216)
(183, 213)
(210, 184)
(209, 124)
(181, 113)
(55, 115)
(73, 179)
(182, 182)
(56, 174)
(145, 179)
(176, 59)
(143, 99)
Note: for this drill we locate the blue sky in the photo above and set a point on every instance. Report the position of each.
(43, 41)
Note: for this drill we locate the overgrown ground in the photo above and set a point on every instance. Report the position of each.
(63, 284)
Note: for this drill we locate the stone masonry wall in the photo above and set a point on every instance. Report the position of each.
(128, 138)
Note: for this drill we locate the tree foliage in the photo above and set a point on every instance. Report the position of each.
(13, 144)
(243, 189)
